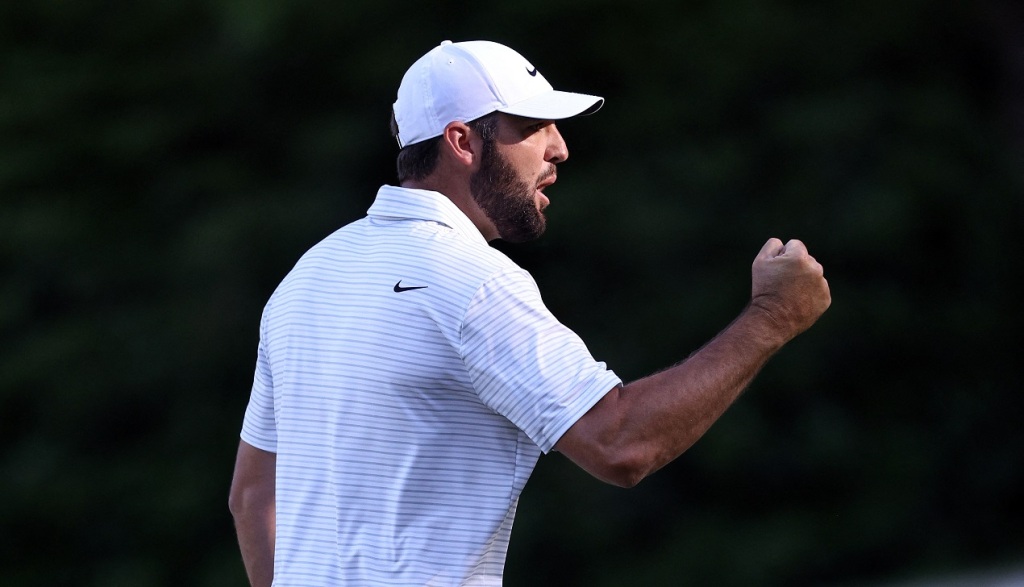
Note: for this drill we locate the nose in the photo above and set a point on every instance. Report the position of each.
(557, 151)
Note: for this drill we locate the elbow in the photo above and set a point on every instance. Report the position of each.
(252, 485)
(605, 444)
(625, 468)
(626, 479)
(244, 501)
(236, 502)
(630, 475)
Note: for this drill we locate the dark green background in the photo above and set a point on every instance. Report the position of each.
(163, 164)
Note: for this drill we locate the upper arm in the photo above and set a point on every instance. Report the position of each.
(524, 364)
(597, 443)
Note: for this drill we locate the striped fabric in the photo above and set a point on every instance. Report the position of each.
(408, 378)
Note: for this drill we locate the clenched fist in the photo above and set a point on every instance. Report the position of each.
(789, 287)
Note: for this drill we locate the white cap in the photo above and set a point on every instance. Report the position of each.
(464, 81)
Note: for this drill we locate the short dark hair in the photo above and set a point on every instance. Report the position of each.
(418, 160)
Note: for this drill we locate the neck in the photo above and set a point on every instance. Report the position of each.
(460, 195)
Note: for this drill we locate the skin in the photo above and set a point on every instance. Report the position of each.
(252, 505)
(636, 428)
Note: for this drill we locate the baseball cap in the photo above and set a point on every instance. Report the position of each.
(466, 80)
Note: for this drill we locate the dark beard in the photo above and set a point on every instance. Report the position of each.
(506, 199)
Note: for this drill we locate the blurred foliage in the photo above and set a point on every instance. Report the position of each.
(162, 165)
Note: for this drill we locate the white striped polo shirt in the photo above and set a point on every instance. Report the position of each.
(408, 378)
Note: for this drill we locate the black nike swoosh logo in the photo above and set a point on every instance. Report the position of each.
(532, 72)
(400, 289)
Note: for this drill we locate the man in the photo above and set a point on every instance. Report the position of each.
(409, 376)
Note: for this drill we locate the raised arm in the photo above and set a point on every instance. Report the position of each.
(253, 507)
(638, 428)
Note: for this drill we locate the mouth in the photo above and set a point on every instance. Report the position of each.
(545, 180)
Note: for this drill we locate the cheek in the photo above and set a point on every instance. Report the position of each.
(527, 161)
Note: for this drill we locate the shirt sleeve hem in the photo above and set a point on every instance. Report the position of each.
(260, 443)
(598, 389)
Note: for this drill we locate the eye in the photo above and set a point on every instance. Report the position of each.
(538, 126)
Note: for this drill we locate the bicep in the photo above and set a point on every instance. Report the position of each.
(598, 442)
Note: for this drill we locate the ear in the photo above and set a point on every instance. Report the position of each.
(460, 143)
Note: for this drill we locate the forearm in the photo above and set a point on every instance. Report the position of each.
(639, 428)
(252, 502)
(255, 528)
(667, 412)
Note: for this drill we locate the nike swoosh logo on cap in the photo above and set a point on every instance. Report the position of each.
(532, 72)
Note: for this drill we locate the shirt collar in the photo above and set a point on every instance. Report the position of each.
(405, 203)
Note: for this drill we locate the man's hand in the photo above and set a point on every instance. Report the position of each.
(789, 287)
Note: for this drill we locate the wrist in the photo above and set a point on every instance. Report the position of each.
(762, 324)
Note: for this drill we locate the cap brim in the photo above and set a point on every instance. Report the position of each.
(555, 105)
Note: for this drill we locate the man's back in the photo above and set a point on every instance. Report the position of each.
(392, 466)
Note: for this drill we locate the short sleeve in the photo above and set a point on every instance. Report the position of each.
(525, 364)
(259, 427)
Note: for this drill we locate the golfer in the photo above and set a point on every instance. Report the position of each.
(409, 376)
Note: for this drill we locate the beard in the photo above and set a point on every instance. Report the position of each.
(506, 199)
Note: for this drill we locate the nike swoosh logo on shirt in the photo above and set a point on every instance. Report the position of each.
(400, 289)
